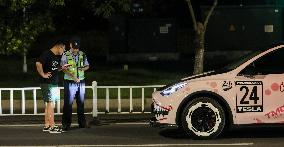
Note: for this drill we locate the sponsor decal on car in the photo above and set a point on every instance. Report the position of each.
(249, 96)
(161, 111)
(282, 87)
(227, 85)
(275, 113)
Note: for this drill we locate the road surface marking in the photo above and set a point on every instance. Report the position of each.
(150, 145)
(132, 123)
(156, 145)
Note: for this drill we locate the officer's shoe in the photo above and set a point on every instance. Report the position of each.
(82, 126)
(65, 129)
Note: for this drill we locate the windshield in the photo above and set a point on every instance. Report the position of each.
(240, 61)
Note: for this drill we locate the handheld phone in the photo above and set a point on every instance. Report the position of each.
(67, 65)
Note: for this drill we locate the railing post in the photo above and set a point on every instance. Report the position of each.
(95, 98)
(58, 102)
(0, 102)
(130, 102)
(11, 102)
(107, 100)
(143, 100)
(119, 100)
(95, 121)
(23, 102)
(35, 103)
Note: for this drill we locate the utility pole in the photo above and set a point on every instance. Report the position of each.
(25, 67)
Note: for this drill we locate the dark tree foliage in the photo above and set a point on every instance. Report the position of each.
(22, 21)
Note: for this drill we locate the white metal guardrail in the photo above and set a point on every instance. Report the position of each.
(95, 99)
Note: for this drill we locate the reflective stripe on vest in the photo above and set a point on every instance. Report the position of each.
(73, 69)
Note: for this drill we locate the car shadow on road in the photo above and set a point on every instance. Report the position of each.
(263, 132)
(267, 132)
(174, 133)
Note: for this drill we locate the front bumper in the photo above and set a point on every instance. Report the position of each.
(160, 113)
(155, 123)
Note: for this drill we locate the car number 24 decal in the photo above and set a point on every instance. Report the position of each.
(249, 96)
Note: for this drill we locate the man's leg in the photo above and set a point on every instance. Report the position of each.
(45, 96)
(46, 120)
(80, 105)
(50, 110)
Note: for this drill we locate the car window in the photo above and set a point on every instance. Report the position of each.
(271, 63)
(233, 65)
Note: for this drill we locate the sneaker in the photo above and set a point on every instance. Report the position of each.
(46, 129)
(55, 129)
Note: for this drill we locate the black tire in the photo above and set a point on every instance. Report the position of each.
(203, 118)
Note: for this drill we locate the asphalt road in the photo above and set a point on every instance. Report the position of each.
(115, 133)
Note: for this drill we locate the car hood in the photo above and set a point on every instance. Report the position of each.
(209, 73)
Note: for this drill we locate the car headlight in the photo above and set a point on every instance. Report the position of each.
(170, 90)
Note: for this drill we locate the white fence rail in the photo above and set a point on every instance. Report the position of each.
(96, 102)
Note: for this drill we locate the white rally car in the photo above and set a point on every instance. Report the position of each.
(250, 91)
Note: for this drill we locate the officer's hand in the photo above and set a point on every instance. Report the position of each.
(77, 80)
(81, 68)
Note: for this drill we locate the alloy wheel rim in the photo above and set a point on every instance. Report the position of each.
(203, 119)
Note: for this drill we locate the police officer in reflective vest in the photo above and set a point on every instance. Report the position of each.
(74, 84)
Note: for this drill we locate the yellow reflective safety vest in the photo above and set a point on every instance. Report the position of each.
(73, 69)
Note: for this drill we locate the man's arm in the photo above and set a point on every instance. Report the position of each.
(64, 67)
(63, 63)
(40, 71)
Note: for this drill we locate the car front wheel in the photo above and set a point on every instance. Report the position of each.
(203, 118)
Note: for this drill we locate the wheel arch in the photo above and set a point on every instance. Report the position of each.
(209, 94)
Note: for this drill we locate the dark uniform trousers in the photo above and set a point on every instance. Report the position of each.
(73, 91)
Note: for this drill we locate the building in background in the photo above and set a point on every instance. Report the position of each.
(237, 26)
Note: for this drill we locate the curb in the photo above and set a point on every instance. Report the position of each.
(101, 119)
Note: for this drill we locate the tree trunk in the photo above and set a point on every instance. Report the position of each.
(199, 49)
(199, 41)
